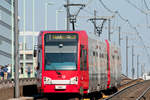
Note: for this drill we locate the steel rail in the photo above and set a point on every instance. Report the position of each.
(123, 90)
(129, 82)
(142, 95)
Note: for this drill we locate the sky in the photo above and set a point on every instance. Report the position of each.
(133, 17)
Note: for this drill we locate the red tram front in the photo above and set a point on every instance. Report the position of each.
(63, 62)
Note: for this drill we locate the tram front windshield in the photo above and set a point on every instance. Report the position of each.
(60, 53)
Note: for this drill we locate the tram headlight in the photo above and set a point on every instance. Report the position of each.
(74, 80)
(47, 80)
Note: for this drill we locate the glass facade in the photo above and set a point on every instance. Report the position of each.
(5, 32)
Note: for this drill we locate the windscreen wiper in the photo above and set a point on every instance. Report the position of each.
(56, 70)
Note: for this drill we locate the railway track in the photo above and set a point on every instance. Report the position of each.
(124, 85)
(133, 92)
(129, 83)
(146, 94)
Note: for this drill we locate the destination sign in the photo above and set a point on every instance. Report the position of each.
(61, 36)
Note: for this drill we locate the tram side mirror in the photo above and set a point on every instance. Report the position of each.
(37, 68)
(35, 51)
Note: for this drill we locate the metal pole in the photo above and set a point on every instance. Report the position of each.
(137, 66)
(12, 13)
(119, 35)
(109, 22)
(57, 11)
(142, 69)
(46, 5)
(56, 19)
(95, 21)
(33, 37)
(46, 16)
(68, 16)
(65, 23)
(16, 51)
(24, 39)
(132, 62)
(127, 55)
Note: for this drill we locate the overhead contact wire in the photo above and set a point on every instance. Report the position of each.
(132, 4)
(126, 20)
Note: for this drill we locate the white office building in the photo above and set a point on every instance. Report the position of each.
(26, 49)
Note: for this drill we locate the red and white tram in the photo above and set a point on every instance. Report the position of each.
(72, 62)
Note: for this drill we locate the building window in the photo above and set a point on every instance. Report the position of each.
(102, 55)
(29, 56)
(96, 54)
(118, 57)
(0, 15)
(21, 56)
(113, 57)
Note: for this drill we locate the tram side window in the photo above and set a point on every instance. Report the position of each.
(83, 59)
